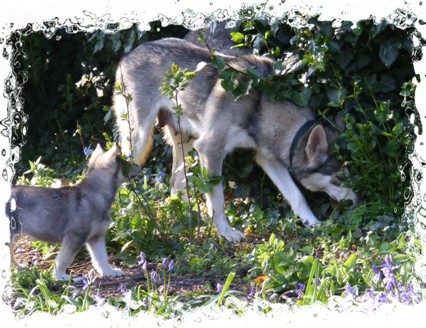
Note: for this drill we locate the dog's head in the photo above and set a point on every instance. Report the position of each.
(313, 164)
(111, 164)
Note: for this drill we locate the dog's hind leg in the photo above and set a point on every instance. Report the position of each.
(70, 247)
(281, 177)
(13, 262)
(177, 180)
(97, 249)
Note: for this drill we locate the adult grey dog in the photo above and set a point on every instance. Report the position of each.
(286, 138)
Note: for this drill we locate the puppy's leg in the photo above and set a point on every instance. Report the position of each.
(281, 177)
(97, 249)
(70, 247)
(211, 159)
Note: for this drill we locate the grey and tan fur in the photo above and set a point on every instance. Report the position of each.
(215, 124)
(71, 215)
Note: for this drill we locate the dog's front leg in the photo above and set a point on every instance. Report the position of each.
(215, 204)
(281, 177)
(212, 159)
(97, 250)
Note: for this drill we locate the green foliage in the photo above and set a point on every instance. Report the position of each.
(69, 80)
(35, 291)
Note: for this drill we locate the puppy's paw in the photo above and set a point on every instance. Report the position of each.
(111, 272)
(62, 276)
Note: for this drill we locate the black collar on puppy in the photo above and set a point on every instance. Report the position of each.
(300, 133)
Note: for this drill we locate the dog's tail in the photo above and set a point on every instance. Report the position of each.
(136, 143)
(136, 136)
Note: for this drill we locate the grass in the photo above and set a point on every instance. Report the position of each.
(280, 261)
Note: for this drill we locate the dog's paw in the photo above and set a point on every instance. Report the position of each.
(311, 223)
(232, 235)
(112, 272)
(62, 276)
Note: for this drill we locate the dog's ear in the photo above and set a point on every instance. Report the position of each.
(317, 144)
(98, 150)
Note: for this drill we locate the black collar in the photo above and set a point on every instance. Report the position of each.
(300, 133)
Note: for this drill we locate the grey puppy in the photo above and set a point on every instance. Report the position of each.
(72, 215)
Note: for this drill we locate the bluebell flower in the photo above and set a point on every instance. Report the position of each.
(87, 151)
(160, 176)
(351, 292)
(171, 265)
(142, 261)
(381, 299)
(409, 296)
(99, 300)
(36, 257)
(300, 290)
(251, 294)
(369, 293)
(378, 274)
(164, 263)
(219, 287)
(123, 289)
(155, 277)
(85, 284)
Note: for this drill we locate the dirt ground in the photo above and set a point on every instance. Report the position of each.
(111, 287)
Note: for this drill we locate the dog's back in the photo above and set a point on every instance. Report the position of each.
(141, 73)
(32, 209)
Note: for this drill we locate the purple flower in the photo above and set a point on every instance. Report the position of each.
(251, 295)
(388, 276)
(369, 293)
(123, 289)
(381, 299)
(87, 151)
(168, 266)
(351, 292)
(164, 263)
(36, 257)
(155, 278)
(99, 300)
(160, 176)
(171, 265)
(300, 290)
(219, 287)
(377, 276)
(409, 296)
(85, 284)
(142, 261)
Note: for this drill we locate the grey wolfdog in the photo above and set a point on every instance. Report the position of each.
(72, 215)
(289, 142)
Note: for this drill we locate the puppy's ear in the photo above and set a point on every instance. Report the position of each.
(98, 151)
(317, 145)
